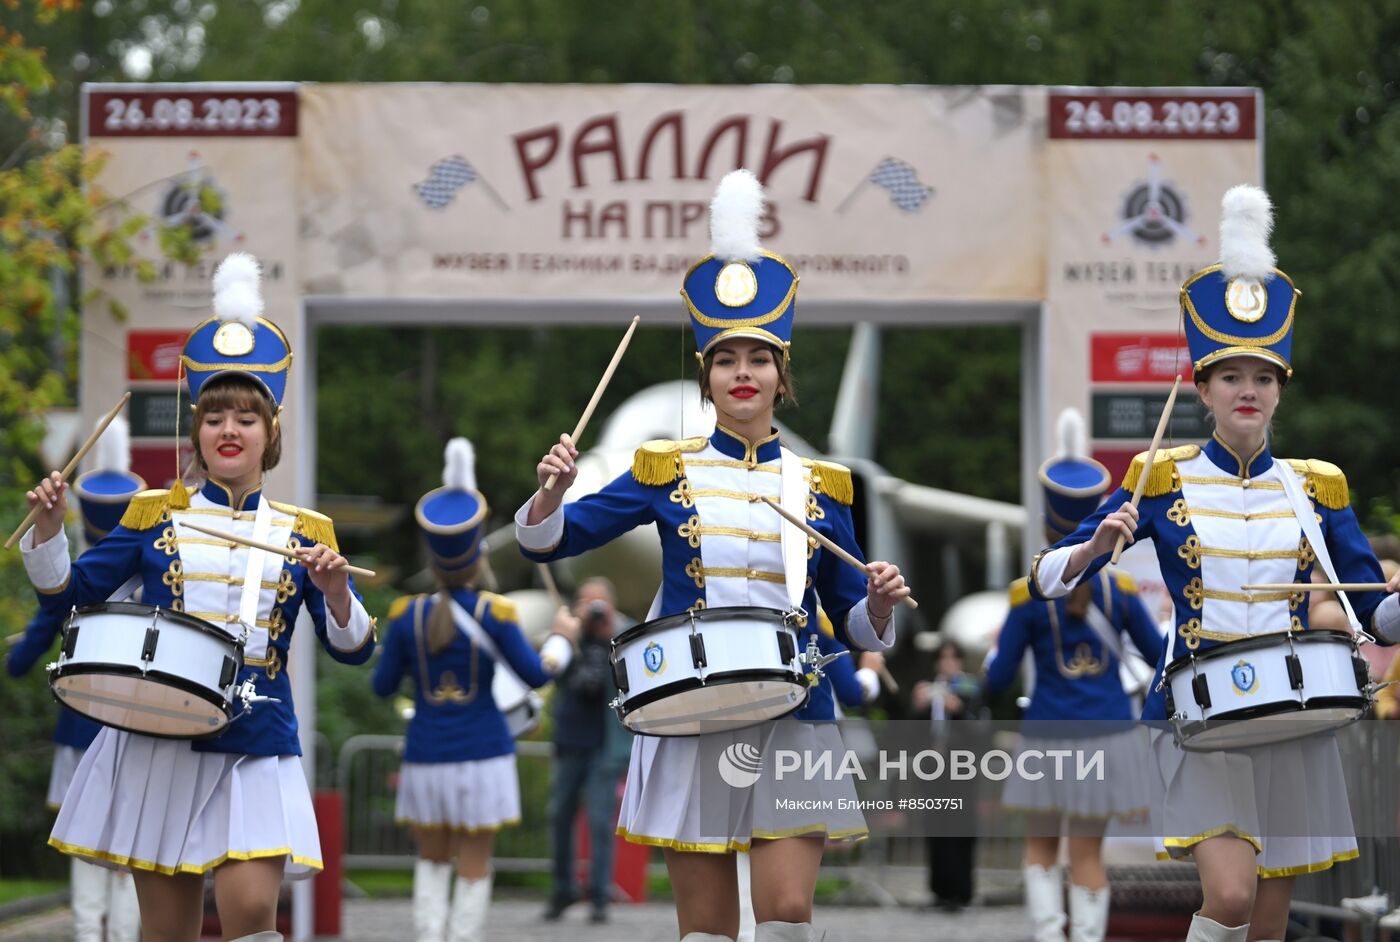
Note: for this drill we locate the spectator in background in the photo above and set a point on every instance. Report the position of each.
(953, 694)
(591, 750)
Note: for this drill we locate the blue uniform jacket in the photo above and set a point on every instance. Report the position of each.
(1217, 521)
(203, 577)
(1076, 674)
(455, 717)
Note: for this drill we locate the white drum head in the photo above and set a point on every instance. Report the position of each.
(140, 705)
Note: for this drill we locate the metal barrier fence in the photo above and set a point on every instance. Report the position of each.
(366, 771)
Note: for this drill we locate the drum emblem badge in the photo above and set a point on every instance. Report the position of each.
(1244, 676)
(654, 659)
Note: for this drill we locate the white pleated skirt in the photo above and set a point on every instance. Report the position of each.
(663, 805)
(65, 763)
(139, 803)
(473, 796)
(1288, 799)
(1127, 787)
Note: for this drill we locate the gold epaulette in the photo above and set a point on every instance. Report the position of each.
(824, 623)
(658, 461)
(1324, 480)
(1125, 582)
(1162, 478)
(318, 528)
(146, 509)
(401, 605)
(502, 608)
(831, 479)
(1020, 592)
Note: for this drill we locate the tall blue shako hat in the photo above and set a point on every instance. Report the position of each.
(739, 289)
(238, 339)
(1074, 483)
(104, 491)
(1242, 306)
(453, 517)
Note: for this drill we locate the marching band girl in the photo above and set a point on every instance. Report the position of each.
(458, 783)
(1221, 516)
(721, 546)
(1077, 645)
(236, 804)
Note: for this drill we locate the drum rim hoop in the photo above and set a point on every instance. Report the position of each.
(1185, 732)
(647, 697)
(1272, 639)
(203, 693)
(702, 615)
(164, 678)
(141, 608)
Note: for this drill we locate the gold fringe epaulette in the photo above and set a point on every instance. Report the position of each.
(1324, 480)
(1162, 478)
(1125, 582)
(833, 480)
(824, 624)
(318, 528)
(658, 462)
(502, 608)
(147, 509)
(1020, 592)
(401, 605)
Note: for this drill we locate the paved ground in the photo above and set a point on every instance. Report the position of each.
(518, 921)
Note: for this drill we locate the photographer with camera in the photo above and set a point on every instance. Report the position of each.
(591, 750)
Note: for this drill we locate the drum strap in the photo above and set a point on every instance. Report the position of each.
(482, 638)
(793, 496)
(1103, 628)
(1302, 509)
(257, 558)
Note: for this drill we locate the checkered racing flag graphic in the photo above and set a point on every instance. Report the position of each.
(902, 182)
(445, 178)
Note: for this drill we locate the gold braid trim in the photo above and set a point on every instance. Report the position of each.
(658, 462)
(318, 528)
(1327, 481)
(146, 509)
(833, 480)
(1162, 479)
(1020, 592)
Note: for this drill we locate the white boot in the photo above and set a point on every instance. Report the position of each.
(1208, 930)
(746, 920)
(787, 932)
(470, 900)
(704, 937)
(88, 886)
(432, 882)
(267, 935)
(1088, 914)
(1045, 902)
(123, 910)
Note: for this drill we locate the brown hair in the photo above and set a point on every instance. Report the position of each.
(787, 396)
(442, 628)
(241, 393)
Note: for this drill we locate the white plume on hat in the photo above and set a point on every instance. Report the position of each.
(734, 215)
(1069, 431)
(1246, 219)
(236, 294)
(459, 465)
(113, 450)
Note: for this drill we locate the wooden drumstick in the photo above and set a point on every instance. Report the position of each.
(279, 550)
(842, 554)
(551, 586)
(598, 392)
(888, 680)
(1147, 467)
(14, 639)
(1316, 587)
(68, 469)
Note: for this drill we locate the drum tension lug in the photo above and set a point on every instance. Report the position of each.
(620, 675)
(70, 640)
(787, 647)
(1200, 689)
(697, 650)
(148, 647)
(1295, 671)
(230, 671)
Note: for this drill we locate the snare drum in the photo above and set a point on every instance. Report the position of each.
(708, 671)
(518, 702)
(1265, 689)
(147, 670)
